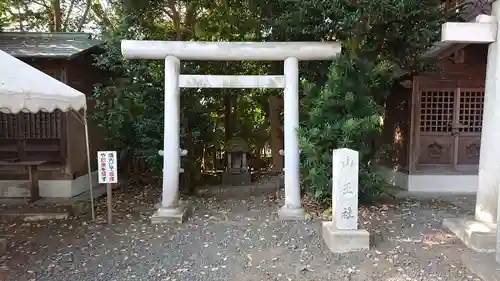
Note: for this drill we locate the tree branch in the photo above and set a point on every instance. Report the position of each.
(85, 15)
(68, 15)
(98, 11)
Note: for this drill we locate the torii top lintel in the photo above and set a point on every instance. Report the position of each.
(229, 51)
(482, 29)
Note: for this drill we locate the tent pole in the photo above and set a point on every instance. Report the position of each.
(88, 162)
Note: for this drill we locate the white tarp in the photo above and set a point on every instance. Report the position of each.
(25, 88)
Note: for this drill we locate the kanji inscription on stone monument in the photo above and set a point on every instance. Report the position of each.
(345, 189)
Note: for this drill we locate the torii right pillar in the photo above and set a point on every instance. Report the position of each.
(479, 233)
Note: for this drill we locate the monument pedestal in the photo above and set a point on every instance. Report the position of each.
(343, 241)
(178, 214)
(476, 235)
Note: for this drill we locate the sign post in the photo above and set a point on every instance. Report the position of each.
(108, 174)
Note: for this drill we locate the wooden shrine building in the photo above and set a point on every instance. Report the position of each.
(433, 120)
(55, 139)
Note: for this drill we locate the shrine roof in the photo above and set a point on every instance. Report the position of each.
(46, 45)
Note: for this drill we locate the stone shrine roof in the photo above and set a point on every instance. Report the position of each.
(236, 145)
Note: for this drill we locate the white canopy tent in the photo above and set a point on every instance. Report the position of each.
(24, 88)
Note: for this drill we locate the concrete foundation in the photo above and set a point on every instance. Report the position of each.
(291, 214)
(433, 182)
(476, 235)
(229, 178)
(50, 208)
(343, 241)
(48, 188)
(174, 215)
(483, 265)
(240, 192)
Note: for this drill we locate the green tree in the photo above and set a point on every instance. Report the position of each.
(133, 109)
(379, 38)
(342, 104)
(50, 15)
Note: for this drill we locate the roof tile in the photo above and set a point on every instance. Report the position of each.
(45, 45)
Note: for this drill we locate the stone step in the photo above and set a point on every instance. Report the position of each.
(238, 192)
(41, 216)
(241, 179)
(48, 208)
(34, 213)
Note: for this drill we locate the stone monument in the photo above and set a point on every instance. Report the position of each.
(236, 172)
(342, 235)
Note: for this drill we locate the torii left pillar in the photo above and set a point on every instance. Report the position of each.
(174, 51)
(480, 233)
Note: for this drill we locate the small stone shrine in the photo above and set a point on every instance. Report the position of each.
(236, 172)
(342, 235)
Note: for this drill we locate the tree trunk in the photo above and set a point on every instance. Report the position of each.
(275, 132)
(191, 175)
(176, 18)
(99, 12)
(20, 18)
(228, 116)
(56, 13)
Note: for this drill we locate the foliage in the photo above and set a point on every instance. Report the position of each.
(379, 39)
(50, 15)
(342, 103)
(131, 97)
(344, 113)
(133, 115)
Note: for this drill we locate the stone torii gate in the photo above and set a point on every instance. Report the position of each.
(174, 51)
(480, 233)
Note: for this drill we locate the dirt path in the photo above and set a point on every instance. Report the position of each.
(234, 240)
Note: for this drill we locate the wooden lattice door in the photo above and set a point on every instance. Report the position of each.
(435, 138)
(468, 126)
(450, 126)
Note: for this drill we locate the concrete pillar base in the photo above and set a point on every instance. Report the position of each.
(344, 241)
(172, 215)
(483, 265)
(476, 235)
(291, 213)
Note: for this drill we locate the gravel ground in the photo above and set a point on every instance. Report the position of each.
(233, 240)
